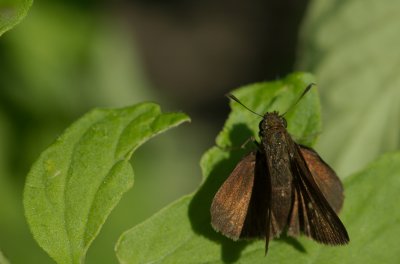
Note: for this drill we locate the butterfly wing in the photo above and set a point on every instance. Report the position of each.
(312, 214)
(326, 179)
(230, 204)
(257, 220)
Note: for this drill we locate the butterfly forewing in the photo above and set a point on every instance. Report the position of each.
(326, 179)
(230, 204)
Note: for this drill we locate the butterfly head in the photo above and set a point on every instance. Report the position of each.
(272, 120)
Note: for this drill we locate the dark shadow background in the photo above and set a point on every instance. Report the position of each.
(195, 51)
(67, 57)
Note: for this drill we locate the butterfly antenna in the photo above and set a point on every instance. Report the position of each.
(232, 97)
(301, 96)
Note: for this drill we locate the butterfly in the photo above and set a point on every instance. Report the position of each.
(281, 187)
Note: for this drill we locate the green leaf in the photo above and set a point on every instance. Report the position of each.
(352, 48)
(181, 233)
(12, 12)
(168, 237)
(77, 181)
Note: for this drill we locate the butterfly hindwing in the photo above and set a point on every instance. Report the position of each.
(257, 220)
(315, 216)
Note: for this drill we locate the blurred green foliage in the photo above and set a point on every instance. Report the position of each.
(12, 12)
(68, 57)
(59, 63)
(352, 47)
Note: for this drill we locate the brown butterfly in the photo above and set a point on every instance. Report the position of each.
(280, 187)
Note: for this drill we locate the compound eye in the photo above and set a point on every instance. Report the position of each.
(284, 122)
(260, 127)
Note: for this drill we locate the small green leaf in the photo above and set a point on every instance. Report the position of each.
(352, 47)
(303, 120)
(76, 182)
(181, 233)
(12, 12)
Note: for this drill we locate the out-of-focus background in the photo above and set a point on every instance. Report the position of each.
(67, 57)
